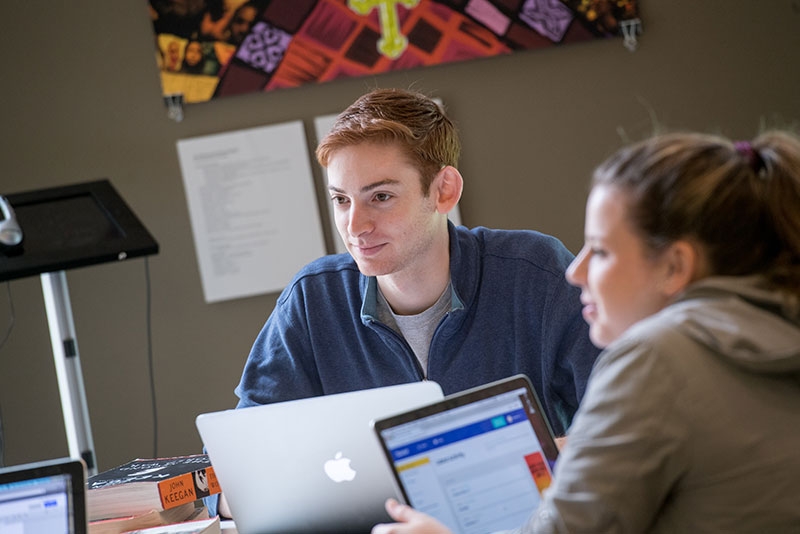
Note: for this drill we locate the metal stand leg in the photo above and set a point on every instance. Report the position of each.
(68, 368)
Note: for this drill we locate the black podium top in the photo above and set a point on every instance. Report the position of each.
(73, 226)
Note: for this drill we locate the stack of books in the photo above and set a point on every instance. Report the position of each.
(150, 492)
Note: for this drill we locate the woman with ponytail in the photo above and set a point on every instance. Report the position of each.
(690, 281)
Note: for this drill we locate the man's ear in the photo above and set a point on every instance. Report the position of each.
(449, 184)
(682, 262)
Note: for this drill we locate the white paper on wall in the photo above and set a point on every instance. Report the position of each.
(253, 208)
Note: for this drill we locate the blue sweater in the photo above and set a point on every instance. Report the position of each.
(512, 311)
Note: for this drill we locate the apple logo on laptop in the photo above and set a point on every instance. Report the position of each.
(338, 469)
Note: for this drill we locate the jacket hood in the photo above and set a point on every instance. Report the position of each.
(713, 311)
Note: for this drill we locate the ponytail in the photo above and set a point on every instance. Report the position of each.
(780, 153)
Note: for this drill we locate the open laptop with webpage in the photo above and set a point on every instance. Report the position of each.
(47, 497)
(308, 465)
(478, 460)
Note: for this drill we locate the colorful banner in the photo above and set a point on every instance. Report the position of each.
(209, 49)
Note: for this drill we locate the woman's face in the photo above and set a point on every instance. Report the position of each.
(193, 54)
(620, 281)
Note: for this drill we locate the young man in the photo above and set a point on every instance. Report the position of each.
(416, 297)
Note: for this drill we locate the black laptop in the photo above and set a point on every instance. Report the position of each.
(47, 496)
(478, 460)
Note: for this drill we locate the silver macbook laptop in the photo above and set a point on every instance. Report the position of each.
(46, 496)
(477, 460)
(309, 465)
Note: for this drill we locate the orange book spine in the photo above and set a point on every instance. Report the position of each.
(188, 487)
(213, 483)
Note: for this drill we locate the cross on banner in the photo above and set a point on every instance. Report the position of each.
(392, 42)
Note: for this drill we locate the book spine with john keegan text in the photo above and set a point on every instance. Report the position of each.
(141, 485)
(188, 487)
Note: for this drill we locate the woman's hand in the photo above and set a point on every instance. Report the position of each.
(409, 521)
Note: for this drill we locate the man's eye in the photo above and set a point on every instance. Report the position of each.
(338, 200)
(598, 252)
(382, 197)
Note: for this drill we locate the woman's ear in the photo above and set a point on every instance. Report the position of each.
(682, 262)
(449, 185)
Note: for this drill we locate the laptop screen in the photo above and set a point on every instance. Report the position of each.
(46, 497)
(477, 461)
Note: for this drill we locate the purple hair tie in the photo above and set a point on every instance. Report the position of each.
(751, 155)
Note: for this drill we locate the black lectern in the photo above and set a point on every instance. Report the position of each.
(64, 228)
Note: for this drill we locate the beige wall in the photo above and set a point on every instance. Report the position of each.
(80, 100)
